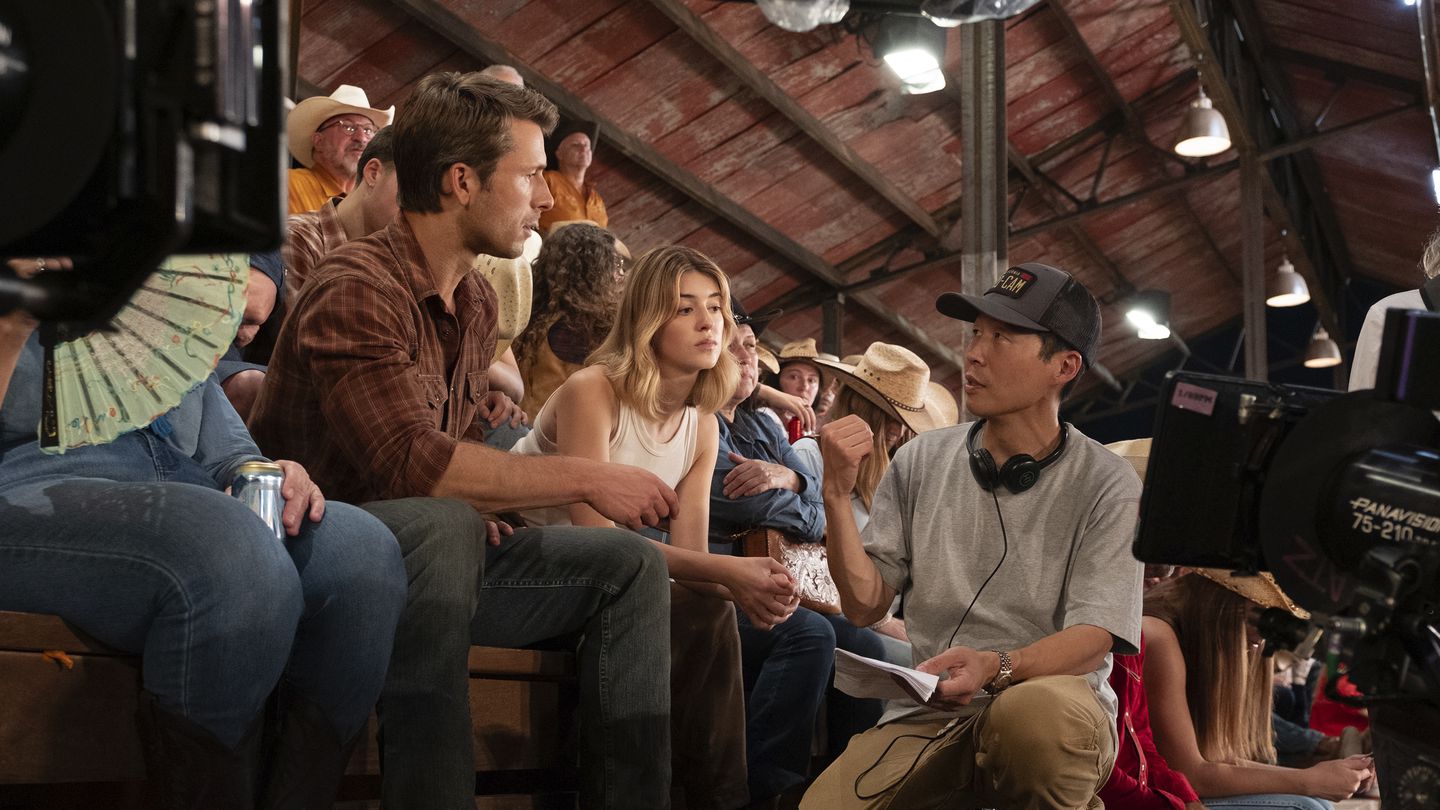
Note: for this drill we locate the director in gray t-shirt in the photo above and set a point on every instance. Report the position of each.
(1009, 541)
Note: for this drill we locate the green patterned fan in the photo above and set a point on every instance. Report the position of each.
(162, 344)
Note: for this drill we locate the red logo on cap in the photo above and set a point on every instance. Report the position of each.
(1014, 283)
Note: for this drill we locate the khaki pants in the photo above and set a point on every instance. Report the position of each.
(1044, 743)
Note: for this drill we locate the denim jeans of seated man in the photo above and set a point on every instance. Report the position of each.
(146, 554)
(604, 593)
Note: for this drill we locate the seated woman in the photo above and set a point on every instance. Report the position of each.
(137, 543)
(646, 400)
(759, 481)
(1208, 687)
(799, 378)
(578, 278)
(889, 388)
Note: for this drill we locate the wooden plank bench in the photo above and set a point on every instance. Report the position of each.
(68, 738)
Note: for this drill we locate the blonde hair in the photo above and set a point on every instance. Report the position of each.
(652, 292)
(1226, 685)
(874, 465)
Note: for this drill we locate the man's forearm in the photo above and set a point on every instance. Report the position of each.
(864, 595)
(496, 481)
(1076, 650)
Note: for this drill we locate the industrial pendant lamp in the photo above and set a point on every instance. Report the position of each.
(1322, 351)
(1149, 313)
(1202, 131)
(1286, 288)
(914, 48)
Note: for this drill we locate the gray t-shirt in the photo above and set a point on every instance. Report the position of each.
(934, 536)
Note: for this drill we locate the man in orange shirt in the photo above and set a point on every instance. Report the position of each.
(327, 135)
(574, 197)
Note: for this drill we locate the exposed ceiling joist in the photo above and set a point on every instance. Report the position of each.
(725, 53)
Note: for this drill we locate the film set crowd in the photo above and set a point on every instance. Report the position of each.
(488, 422)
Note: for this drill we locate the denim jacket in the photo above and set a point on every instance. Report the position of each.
(801, 514)
(202, 440)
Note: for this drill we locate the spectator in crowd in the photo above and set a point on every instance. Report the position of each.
(137, 543)
(326, 136)
(1141, 778)
(759, 482)
(575, 197)
(799, 377)
(1427, 296)
(889, 388)
(379, 382)
(579, 277)
(971, 520)
(239, 377)
(1209, 689)
(647, 400)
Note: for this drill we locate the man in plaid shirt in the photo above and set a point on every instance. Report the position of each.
(378, 384)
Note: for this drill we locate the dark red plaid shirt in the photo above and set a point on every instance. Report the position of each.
(359, 390)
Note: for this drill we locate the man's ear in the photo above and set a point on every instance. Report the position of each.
(459, 182)
(1070, 365)
(372, 171)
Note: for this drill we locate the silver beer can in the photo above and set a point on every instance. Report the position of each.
(257, 485)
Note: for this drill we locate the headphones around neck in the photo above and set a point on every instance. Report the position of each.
(1020, 472)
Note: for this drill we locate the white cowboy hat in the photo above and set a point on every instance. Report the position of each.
(897, 380)
(309, 114)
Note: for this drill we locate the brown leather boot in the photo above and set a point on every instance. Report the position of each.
(189, 769)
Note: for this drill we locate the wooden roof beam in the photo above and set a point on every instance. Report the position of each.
(726, 54)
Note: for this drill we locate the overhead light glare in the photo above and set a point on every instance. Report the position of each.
(1149, 313)
(1202, 131)
(914, 50)
(1435, 184)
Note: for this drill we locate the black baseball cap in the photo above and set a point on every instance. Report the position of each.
(757, 323)
(1037, 297)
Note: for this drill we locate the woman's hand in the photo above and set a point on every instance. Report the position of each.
(496, 529)
(302, 497)
(752, 477)
(1339, 779)
(762, 588)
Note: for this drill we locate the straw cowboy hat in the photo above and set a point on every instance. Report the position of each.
(309, 114)
(768, 361)
(1135, 451)
(1260, 589)
(800, 350)
(897, 380)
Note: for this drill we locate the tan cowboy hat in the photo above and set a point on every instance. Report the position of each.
(768, 360)
(1261, 589)
(799, 350)
(309, 114)
(1135, 451)
(897, 380)
(945, 401)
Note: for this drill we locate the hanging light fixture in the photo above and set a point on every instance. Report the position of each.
(1149, 313)
(1202, 131)
(1286, 288)
(914, 48)
(1322, 351)
(803, 15)
(950, 13)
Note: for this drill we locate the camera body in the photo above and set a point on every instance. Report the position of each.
(131, 131)
(1338, 496)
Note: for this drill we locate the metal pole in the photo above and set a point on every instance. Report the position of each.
(1252, 242)
(983, 214)
(832, 325)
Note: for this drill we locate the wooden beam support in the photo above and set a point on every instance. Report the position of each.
(726, 54)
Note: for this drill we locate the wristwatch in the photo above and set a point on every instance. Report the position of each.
(1005, 676)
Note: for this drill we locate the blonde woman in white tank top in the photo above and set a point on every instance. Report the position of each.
(639, 401)
(647, 398)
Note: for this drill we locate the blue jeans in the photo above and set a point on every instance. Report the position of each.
(786, 672)
(603, 592)
(1268, 801)
(847, 716)
(146, 555)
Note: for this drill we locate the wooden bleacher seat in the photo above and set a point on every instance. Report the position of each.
(68, 739)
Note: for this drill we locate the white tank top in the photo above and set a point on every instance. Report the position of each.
(632, 444)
